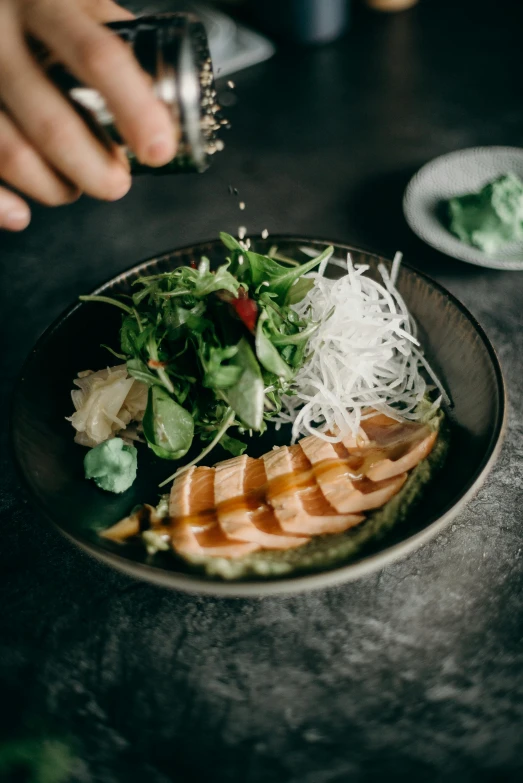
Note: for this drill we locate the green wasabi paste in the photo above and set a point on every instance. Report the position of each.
(112, 465)
(491, 218)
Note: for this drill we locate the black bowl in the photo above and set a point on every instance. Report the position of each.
(52, 464)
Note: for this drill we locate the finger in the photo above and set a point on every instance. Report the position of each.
(50, 123)
(99, 58)
(14, 212)
(107, 11)
(22, 167)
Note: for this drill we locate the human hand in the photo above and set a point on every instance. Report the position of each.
(46, 149)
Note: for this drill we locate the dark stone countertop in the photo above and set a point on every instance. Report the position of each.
(413, 672)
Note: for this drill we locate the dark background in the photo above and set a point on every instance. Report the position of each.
(415, 671)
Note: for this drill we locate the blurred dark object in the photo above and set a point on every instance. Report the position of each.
(303, 21)
(35, 759)
(173, 49)
(390, 5)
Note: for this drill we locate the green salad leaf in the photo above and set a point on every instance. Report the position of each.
(233, 445)
(217, 345)
(299, 290)
(265, 271)
(246, 396)
(167, 426)
(139, 370)
(268, 354)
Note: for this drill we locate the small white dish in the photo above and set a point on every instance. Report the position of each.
(464, 171)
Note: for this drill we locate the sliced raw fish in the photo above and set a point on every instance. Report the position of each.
(387, 468)
(243, 514)
(195, 527)
(332, 470)
(296, 498)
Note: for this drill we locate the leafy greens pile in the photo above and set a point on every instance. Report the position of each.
(216, 348)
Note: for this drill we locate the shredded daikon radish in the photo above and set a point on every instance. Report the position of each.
(364, 355)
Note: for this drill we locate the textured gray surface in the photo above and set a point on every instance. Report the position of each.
(415, 671)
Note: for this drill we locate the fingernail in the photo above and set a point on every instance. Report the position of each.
(16, 219)
(160, 150)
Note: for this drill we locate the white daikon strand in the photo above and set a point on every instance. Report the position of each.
(364, 355)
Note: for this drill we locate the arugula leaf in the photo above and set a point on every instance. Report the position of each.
(232, 445)
(280, 278)
(300, 355)
(207, 282)
(217, 374)
(139, 370)
(230, 242)
(106, 300)
(183, 339)
(129, 332)
(176, 315)
(246, 397)
(168, 428)
(295, 339)
(299, 290)
(268, 354)
(121, 356)
(147, 290)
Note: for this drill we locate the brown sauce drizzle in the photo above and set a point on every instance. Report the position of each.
(355, 466)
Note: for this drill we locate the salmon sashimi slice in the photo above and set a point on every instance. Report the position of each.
(211, 542)
(386, 433)
(195, 527)
(296, 498)
(381, 429)
(243, 514)
(387, 468)
(336, 473)
(332, 470)
(368, 494)
(263, 517)
(142, 518)
(192, 492)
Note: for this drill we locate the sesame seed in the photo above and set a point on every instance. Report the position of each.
(242, 204)
(231, 85)
(242, 232)
(264, 233)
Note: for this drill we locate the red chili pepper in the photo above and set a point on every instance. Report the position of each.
(246, 309)
(193, 265)
(155, 365)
